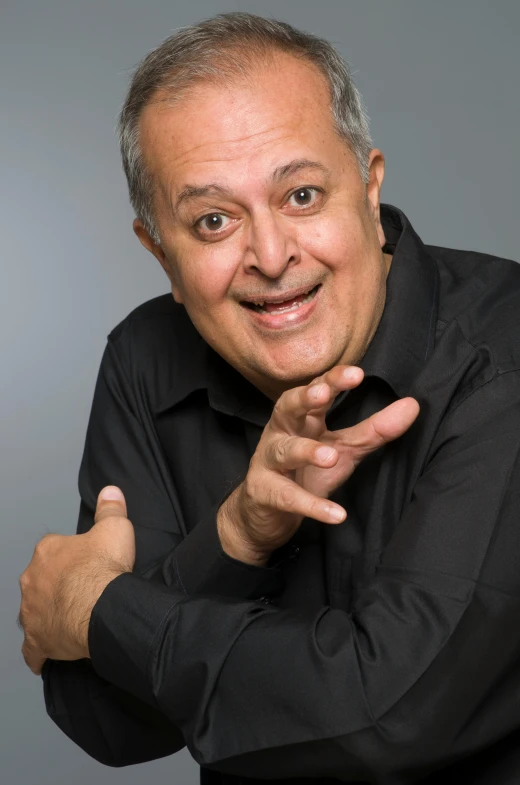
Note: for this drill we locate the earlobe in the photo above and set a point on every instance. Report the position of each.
(157, 251)
(176, 294)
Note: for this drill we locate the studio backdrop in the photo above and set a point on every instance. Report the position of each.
(440, 82)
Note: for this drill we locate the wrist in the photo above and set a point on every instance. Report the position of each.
(87, 598)
(232, 537)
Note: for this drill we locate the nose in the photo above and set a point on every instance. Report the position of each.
(272, 245)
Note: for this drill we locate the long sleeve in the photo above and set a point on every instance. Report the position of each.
(422, 672)
(108, 722)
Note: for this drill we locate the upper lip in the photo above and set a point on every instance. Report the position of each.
(280, 298)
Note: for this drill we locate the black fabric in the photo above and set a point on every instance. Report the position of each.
(385, 649)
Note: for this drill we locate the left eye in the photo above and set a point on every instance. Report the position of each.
(213, 222)
(303, 197)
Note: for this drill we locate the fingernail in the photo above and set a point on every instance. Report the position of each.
(111, 493)
(314, 392)
(351, 373)
(336, 513)
(324, 453)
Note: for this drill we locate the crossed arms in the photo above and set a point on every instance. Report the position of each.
(404, 681)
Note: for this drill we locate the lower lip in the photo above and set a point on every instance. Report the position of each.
(277, 321)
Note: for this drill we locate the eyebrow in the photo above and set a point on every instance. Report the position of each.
(295, 166)
(280, 173)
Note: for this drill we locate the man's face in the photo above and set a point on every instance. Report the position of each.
(257, 198)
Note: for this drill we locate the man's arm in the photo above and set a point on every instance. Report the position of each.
(108, 722)
(404, 682)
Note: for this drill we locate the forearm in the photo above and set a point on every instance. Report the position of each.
(251, 685)
(400, 683)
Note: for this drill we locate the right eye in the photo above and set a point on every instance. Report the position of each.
(212, 223)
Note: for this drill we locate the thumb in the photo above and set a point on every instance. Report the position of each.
(392, 421)
(110, 504)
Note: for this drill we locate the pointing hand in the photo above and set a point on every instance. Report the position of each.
(298, 463)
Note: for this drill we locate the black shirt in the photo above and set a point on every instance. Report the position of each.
(385, 649)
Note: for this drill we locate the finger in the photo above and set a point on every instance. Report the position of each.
(284, 453)
(395, 419)
(293, 406)
(382, 427)
(291, 409)
(110, 504)
(280, 493)
(332, 382)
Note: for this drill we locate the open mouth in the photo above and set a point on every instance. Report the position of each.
(288, 305)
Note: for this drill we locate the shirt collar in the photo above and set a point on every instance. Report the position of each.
(398, 351)
(405, 335)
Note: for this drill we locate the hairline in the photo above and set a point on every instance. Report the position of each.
(236, 61)
(170, 97)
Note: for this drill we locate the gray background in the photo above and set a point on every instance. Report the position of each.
(440, 80)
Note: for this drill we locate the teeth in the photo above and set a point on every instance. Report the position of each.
(258, 306)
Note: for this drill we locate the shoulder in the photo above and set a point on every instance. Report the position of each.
(157, 345)
(156, 326)
(480, 294)
(152, 316)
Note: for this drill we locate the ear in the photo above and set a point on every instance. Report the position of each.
(376, 174)
(146, 240)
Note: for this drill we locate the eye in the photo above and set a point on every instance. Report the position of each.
(213, 222)
(304, 197)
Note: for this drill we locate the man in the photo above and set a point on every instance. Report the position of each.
(316, 359)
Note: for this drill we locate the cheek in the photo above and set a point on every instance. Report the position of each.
(205, 276)
(335, 240)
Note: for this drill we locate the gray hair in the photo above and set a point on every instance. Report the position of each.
(227, 45)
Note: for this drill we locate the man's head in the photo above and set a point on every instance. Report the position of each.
(253, 179)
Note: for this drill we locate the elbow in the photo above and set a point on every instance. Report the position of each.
(93, 745)
(399, 747)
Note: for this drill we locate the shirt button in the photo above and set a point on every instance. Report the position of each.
(266, 600)
(294, 553)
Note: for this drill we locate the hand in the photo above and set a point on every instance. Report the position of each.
(298, 463)
(65, 578)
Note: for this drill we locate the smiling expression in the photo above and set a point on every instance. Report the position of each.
(258, 200)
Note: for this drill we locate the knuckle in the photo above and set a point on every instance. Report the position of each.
(287, 401)
(271, 498)
(314, 506)
(287, 497)
(249, 489)
(43, 544)
(103, 513)
(254, 464)
(280, 450)
(279, 406)
(23, 618)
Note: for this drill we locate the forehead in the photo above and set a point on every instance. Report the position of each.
(282, 109)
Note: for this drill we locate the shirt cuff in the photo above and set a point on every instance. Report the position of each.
(122, 627)
(199, 565)
(131, 608)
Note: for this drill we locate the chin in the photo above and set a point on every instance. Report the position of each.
(300, 370)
